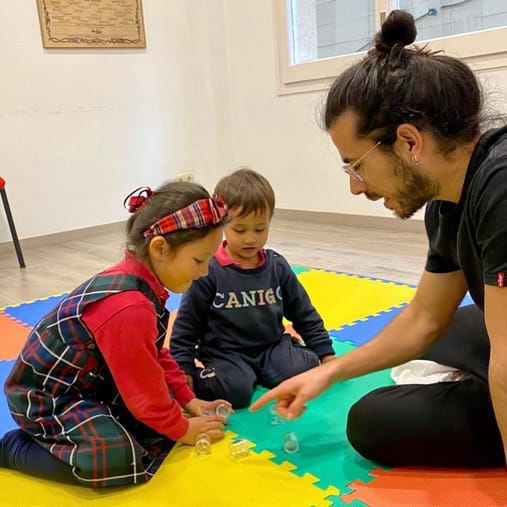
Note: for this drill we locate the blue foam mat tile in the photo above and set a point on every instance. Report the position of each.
(173, 303)
(30, 313)
(362, 331)
(6, 421)
(467, 300)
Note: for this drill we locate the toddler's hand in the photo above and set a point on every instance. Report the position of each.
(190, 381)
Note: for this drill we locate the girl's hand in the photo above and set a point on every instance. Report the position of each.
(212, 425)
(210, 407)
(197, 407)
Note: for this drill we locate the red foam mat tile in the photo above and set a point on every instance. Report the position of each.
(432, 487)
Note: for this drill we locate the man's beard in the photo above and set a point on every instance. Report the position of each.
(414, 190)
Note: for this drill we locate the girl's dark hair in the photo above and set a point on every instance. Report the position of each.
(394, 84)
(166, 199)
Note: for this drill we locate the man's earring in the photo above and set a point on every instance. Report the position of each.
(414, 159)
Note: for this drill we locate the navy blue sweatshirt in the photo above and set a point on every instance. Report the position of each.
(242, 310)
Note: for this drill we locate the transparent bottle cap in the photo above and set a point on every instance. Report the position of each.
(290, 442)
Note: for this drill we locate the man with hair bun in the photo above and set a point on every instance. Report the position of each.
(409, 126)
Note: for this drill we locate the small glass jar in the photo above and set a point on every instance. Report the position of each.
(203, 444)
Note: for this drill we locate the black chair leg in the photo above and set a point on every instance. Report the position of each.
(10, 221)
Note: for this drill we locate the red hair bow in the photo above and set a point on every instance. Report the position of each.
(137, 198)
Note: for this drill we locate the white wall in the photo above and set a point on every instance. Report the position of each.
(79, 129)
(279, 134)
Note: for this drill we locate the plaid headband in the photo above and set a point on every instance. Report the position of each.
(199, 214)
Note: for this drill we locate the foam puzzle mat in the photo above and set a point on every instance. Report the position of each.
(326, 471)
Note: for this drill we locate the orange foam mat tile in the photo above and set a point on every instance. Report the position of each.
(13, 335)
(421, 487)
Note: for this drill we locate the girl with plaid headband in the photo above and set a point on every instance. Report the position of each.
(98, 398)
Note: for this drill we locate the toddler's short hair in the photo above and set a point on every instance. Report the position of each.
(248, 191)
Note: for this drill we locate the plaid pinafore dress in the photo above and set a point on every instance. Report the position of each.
(61, 392)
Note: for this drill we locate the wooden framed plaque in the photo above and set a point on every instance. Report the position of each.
(91, 23)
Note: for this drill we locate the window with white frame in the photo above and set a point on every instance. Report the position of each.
(318, 38)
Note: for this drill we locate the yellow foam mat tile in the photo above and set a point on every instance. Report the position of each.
(342, 299)
(184, 480)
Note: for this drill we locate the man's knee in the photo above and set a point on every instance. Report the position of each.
(358, 427)
(366, 427)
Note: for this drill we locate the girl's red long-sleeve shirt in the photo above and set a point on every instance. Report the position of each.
(124, 326)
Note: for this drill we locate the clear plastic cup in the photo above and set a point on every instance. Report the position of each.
(290, 442)
(203, 444)
(275, 419)
(239, 449)
(223, 410)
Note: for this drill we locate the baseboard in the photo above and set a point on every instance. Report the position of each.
(367, 222)
(316, 217)
(60, 237)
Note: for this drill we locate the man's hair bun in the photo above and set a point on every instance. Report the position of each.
(398, 29)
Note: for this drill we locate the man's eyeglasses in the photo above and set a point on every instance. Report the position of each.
(350, 169)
